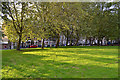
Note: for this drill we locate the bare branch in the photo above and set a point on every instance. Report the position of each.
(16, 15)
(10, 14)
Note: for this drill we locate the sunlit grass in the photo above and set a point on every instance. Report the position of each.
(66, 62)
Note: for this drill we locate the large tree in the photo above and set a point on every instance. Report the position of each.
(17, 13)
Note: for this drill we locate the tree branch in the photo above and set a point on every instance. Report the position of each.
(10, 14)
(16, 15)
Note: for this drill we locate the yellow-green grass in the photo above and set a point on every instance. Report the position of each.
(66, 62)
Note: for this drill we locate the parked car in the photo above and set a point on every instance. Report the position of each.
(33, 46)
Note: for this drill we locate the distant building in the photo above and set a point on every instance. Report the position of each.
(4, 43)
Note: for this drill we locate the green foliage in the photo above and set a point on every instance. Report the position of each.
(74, 20)
(11, 33)
(105, 22)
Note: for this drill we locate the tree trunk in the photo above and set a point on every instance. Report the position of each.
(62, 41)
(42, 44)
(13, 45)
(90, 41)
(101, 42)
(76, 41)
(111, 43)
(118, 41)
(86, 41)
(32, 42)
(98, 42)
(19, 42)
(67, 42)
(9, 44)
(67, 38)
(57, 44)
(93, 39)
(70, 42)
(22, 44)
(107, 41)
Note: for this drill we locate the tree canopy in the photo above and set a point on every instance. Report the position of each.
(51, 19)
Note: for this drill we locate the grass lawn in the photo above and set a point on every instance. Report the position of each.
(66, 62)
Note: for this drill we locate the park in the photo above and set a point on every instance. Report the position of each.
(59, 39)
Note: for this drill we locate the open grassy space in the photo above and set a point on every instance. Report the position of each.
(67, 62)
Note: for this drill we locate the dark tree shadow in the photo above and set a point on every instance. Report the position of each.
(33, 49)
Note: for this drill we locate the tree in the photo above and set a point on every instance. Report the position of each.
(107, 16)
(40, 24)
(17, 12)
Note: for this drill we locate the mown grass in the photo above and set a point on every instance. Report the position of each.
(66, 62)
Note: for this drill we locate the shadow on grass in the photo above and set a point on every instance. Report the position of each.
(34, 67)
(32, 49)
(92, 58)
(87, 52)
(37, 66)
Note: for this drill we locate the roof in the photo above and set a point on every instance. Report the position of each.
(5, 39)
(4, 42)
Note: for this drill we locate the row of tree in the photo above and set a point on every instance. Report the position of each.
(43, 20)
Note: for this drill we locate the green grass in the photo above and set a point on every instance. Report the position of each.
(66, 62)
